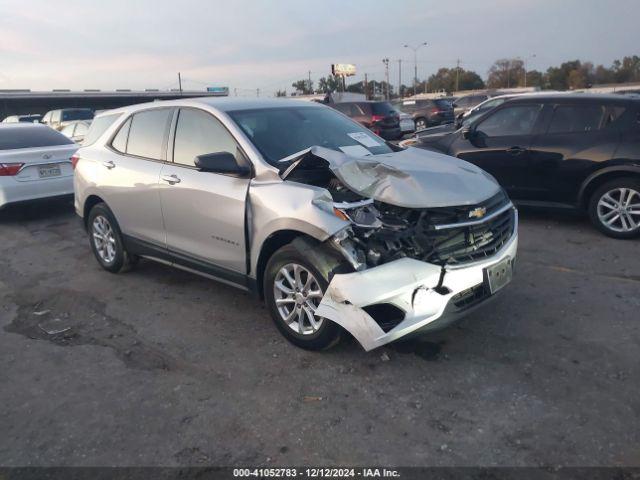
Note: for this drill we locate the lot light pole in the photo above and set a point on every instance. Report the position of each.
(415, 64)
(386, 67)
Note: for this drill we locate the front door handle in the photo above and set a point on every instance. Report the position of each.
(109, 164)
(516, 150)
(171, 179)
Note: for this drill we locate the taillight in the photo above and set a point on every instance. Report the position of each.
(74, 160)
(10, 169)
(377, 118)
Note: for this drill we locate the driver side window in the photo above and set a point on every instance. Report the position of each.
(509, 121)
(199, 133)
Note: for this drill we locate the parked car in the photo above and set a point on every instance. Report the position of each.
(579, 151)
(31, 118)
(426, 113)
(466, 103)
(35, 163)
(335, 228)
(407, 125)
(379, 117)
(57, 119)
(76, 130)
(430, 134)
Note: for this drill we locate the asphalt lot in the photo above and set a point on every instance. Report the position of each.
(161, 367)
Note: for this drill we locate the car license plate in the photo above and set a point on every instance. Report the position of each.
(500, 274)
(49, 171)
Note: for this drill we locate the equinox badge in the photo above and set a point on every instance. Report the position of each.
(478, 212)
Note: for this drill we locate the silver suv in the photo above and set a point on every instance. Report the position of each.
(334, 228)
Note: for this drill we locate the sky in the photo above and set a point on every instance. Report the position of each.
(251, 44)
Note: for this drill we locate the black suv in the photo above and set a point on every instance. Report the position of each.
(379, 117)
(566, 150)
(426, 113)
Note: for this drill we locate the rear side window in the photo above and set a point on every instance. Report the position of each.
(199, 133)
(443, 104)
(147, 133)
(120, 140)
(16, 138)
(97, 128)
(576, 118)
(382, 108)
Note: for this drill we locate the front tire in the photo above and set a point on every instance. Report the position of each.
(106, 240)
(614, 208)
(293, 288)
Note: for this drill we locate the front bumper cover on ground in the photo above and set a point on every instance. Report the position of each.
(411, 286)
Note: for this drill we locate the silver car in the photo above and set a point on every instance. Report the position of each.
(334, 228)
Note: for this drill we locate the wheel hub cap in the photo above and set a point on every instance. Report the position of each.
(619, 209)
(104, 239)
(298, 294)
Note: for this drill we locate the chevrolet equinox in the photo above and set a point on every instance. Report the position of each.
(334, 228)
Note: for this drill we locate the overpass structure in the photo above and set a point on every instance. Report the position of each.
(23, 102)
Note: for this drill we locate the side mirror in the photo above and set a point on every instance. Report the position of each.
(221, 162)
(467, 132)
(454, 105)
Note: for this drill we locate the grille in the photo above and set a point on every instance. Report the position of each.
(470, 297)
(412, 232)
(468, 244)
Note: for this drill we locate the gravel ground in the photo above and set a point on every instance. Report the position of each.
(160, 367)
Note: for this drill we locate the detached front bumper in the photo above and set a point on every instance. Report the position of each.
(411, 291)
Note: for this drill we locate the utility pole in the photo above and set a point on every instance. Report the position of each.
(366, 87)
(458, 75)
(310, 82)
(386, 74)
(400, 77)
(415, 65)
(180, 83)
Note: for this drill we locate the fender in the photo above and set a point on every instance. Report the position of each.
(629, 167)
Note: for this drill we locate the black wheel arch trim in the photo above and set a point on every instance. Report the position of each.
(630, 168)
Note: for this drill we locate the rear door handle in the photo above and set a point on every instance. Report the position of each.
(171, 179)
(109, 164)
(516, 150)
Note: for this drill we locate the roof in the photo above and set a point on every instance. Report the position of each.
(22, 125)
(575, 97)
(222, 104)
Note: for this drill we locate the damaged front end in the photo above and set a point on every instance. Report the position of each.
(427, 242)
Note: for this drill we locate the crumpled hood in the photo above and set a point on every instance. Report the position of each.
(410, 178)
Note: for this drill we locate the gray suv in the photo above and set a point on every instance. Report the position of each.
(334, 228)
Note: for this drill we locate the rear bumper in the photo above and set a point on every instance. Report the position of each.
(409, 286)
(12, 191)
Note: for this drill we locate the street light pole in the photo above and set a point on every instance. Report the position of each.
(415, 65)
(386, 67)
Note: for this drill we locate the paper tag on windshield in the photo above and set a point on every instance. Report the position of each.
(364, 139)
(355, 150)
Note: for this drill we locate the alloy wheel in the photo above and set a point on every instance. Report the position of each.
(104, 239)
(619, 210)
(297, 294)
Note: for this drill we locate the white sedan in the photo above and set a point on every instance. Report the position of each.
(35, 163)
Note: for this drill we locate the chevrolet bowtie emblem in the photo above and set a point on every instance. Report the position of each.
(478, 212)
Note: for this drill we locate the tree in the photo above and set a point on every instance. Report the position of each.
(281, 93)
(303, 86)
(535, 78)
(627, 70)
(506, 73)
(329, 84)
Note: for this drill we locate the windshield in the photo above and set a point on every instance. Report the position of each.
(280, 132)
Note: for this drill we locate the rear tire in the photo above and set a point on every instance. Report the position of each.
(106, 241)
(293, 288)
(614, 208)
